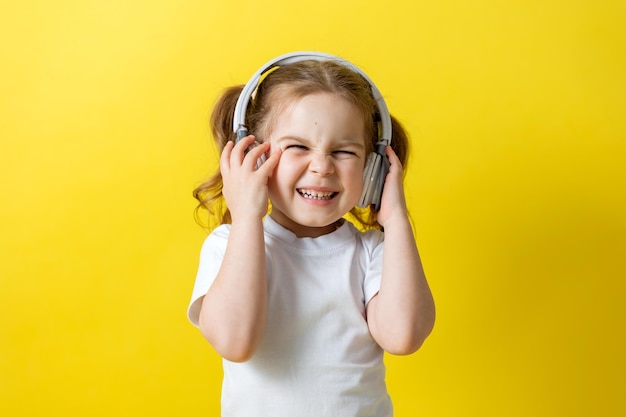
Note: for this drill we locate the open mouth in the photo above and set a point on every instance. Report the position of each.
(317, 195)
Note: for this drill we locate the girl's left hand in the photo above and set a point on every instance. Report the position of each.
(393, 203)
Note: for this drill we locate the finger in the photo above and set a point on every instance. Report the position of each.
(225, 157)
(240, 149)
(254, 152)
(395, 166)
(268, 166)
(393, 158)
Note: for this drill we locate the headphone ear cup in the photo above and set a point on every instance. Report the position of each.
(370, 174)
(380, 182)
(374, 175)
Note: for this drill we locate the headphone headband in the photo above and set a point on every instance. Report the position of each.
(239, 124)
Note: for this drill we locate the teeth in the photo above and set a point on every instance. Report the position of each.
(316, 194)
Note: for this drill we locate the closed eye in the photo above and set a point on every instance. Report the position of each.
(344, 153)
(297, 147)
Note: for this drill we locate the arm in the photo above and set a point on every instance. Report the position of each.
(233, 312)
(402, 314)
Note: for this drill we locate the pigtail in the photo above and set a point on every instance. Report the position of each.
(400, 142)
(209, 193)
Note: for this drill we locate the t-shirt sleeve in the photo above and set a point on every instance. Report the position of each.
(211, 256)
(373, 242)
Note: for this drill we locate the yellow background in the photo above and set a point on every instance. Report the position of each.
(516, 187)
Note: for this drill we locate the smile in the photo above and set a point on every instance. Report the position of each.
(317, 195)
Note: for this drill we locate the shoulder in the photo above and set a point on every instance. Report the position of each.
(218, 238)
(369, 239)
(222, 230)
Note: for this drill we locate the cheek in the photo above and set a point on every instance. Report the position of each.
(354, 174)
(281, 176)
(288, 167)
(358, 167)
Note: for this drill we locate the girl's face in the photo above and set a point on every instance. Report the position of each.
(319, 177)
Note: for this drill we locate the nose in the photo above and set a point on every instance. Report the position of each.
(321, 164)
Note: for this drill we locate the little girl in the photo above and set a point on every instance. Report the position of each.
(300, 303)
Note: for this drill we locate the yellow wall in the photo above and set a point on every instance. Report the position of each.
(516, 187)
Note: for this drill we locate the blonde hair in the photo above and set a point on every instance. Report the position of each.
(280, 87)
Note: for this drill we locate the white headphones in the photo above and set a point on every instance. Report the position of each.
(377, 165)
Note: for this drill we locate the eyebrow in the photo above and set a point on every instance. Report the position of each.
(338, 143)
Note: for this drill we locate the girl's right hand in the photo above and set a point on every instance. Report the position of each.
(245, 188)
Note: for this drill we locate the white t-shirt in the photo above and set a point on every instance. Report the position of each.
(317, 357)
